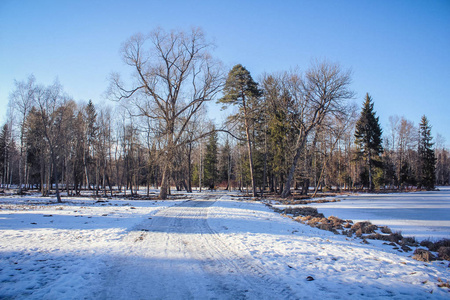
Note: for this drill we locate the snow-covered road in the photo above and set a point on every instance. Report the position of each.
(176, 255)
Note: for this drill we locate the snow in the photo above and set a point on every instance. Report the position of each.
(213, 245)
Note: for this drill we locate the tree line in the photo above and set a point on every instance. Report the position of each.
(291, 130)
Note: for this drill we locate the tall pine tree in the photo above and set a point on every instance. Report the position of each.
(427, 159)
(368, 138)
(241, 90)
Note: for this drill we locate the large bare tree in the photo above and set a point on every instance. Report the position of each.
(54, 114)
(319, 92)
(174, 75)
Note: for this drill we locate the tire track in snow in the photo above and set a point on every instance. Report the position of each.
(176, 254)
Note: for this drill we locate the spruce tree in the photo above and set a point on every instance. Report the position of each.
(210, 163)
(427, 159)
(368, 138)
(91, 132)
(224, 168)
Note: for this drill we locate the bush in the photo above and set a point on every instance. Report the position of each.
(409, 241)
(327, 227)
(435, 246)
(444, 253)
(426, 243)
(303, 211)
(423, 255)
(335, 220)
(378, 236)
(315, 222)
(364, 227)
(395, 237)
(386, 230)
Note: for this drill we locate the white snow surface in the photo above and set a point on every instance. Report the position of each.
(212, 246)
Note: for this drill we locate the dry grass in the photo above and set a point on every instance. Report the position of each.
(443, 284)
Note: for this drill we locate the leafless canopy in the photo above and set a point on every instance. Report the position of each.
(321, 91)
(173, 76)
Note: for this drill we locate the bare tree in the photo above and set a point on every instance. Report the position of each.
(53, 113)
(173, 76)
(23, 100)
(321, 91)
(406, 144)
(336, 128)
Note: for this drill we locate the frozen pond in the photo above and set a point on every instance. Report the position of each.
(424, 215)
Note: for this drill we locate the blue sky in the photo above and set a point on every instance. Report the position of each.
(398, 50)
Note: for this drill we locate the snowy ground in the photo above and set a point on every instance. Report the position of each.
(213, 246)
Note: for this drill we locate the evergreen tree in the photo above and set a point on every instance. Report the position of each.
(241, 90)
(368, 138)
(427, 159)
(91, 131)
(210, 163)
(225, 164)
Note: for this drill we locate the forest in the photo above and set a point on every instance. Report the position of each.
(287, 131)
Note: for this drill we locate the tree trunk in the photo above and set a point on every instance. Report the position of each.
(55, 175)
(42, 175)
(86, 170)
(21, 158)
(164, 191)
(189, 185)
(265, 164)
(229, 172)
(300, 145)
(249, 147)
(369, 161)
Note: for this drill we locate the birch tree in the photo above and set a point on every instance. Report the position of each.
(23, 99)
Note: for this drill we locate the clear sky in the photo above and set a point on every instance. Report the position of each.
(399, 51)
